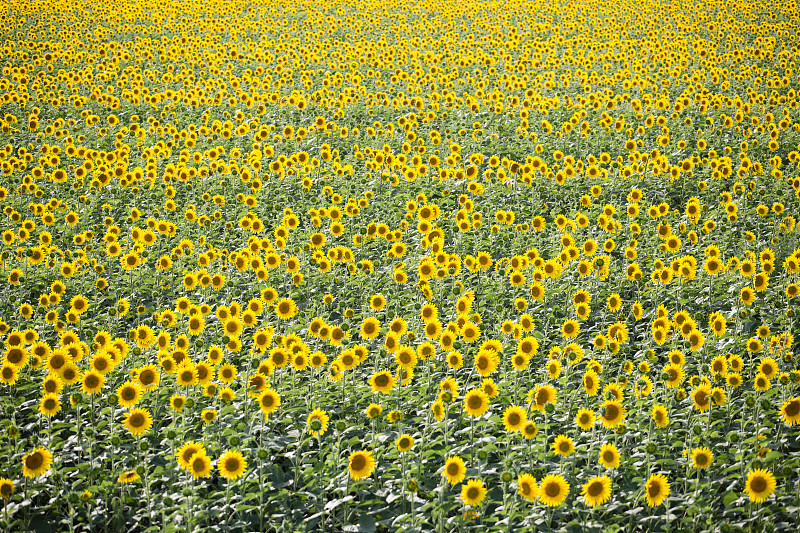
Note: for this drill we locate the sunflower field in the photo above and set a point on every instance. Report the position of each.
(382, 266)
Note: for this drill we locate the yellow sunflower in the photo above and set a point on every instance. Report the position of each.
(231, 464)
(656, 489)
(36, 462)
(597, 490)
(553, 490)
(454, 470)
(760, 485)
(361, 464)
(473, 492)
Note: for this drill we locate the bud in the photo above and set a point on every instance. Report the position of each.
(507, 477)
(140, 470)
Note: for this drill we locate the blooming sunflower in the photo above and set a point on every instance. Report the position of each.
(701, 398)
(791, 411)
(200, 465)
(231, 464)
(405, 442)
(129, 394)
(657, 489)
(317, 422)
(597, 490)
(514, 418)
(268, 401)
(760, 485)
(609, 456)
(702, 458)
(138, 421)
(553, 490)
(128, 476)
(528, 488)
(660, 415)
(185, 453)
(50, 404)
(563, 445)
(92, 382)
(585, 419)
(454, 470)
(6, 488)
(36, 462)
(542, 395)
(361, 464)
(382, 382)
(476, 402)
(473, 492)
(612, 413)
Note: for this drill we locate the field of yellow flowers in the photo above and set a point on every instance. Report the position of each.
(399, 266)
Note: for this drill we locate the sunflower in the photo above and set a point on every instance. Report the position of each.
(769, 367)
(231, 464)
(285, 308)
(50, 404)
(361, 464)
(370, 328)
(553, 490)
(37, 462)
(612, 413)
(656, 489)
(454, 470)
(473, 492)
(660, 416)
(486, 362)
(186, 374)
(541, 395)
(187, 451)
(701, 398)
(92, 382)
(6, 488)
(761, 382)
(377, 302)
(585, 419)
(591, 382)
(597, 490)
(317, 422)
(570, 329)
(791, 411)
(514, 418)
(702, 458)
(128, 476)
(674, 375)
(138, 421)
(528, 488)
(563, 445)
(129, 394)
(233, 326)
(609, 456)
(476, 402)
(760, 485)
(405, 442)
(382, 382)
(200, 465)
(9, 373)
(268, 401)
